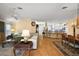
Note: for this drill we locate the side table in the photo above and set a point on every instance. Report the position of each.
(24, 47)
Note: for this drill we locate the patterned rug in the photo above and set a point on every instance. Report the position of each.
(66, 49)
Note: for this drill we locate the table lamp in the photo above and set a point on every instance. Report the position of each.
(26, 35)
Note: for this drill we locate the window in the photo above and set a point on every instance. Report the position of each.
(7, 29)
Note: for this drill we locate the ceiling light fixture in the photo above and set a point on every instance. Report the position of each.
(65, 7)
(19, 8)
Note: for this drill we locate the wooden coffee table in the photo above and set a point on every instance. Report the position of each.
(24, 47)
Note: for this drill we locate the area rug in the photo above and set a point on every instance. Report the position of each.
(8, 51)
(66, 50)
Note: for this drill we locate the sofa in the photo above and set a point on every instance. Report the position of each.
(34, 39)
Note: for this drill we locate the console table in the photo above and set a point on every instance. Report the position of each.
(24, 47)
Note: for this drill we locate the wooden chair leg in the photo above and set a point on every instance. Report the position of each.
(14, 51)
(62, 42)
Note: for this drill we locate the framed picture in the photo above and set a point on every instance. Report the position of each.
(33, 23)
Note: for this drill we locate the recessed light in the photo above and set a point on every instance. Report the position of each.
(64, 7)
(19, 8)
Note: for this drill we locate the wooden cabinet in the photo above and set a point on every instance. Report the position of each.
(2, 31)
(2, 37)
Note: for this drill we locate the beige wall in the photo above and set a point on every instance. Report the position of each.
(70, 27)
(24, 23)
(77, 31)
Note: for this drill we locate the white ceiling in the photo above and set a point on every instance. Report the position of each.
(51, 12)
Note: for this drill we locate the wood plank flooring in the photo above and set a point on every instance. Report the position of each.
(46, 48)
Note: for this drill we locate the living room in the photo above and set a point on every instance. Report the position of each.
(39, 29)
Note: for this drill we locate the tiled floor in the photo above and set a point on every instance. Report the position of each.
(6, 48)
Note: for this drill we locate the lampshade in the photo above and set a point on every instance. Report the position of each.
(26, 33)
(13, 30)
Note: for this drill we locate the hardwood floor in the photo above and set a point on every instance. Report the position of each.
(46, 48)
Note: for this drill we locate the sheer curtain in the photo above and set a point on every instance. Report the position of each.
(7, 29)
